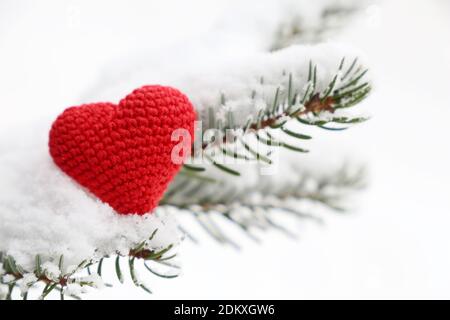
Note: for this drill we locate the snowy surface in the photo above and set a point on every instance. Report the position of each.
(395, 246)
(44, 212)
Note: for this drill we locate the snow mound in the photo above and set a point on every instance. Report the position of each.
(44, 212)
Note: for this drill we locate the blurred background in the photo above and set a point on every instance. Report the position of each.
(395, 242)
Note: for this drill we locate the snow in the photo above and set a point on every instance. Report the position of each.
(27, 281)
(8, 278)
(73, 289)
(44, 212)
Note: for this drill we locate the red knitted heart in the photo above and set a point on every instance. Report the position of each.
(122, 153)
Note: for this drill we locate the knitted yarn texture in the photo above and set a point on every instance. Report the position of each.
(122, 153)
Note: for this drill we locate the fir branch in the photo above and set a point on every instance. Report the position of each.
(308, 104)
(252, 207)
(13, 275)
(332, 18)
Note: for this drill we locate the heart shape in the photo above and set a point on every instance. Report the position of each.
(122, 153)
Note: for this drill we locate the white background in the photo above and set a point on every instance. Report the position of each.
(395, 245)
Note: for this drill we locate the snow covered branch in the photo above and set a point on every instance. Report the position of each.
(261, 97)
(48, 275)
